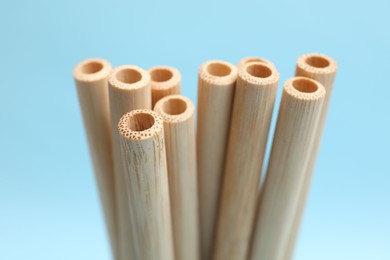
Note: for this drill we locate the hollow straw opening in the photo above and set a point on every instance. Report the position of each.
(128, 76)
(161, 75)
(317, 62)
(140, 122)
(174, 106)
(259, 71)
(305, 85)
(92, 67)
(218, 69)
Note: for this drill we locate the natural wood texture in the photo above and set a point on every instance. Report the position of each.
(179, 132)
(129, 88)
(91, 82)
(296, 126)
(252, 111)
(246, 60)
(165, 81)
(145, 170)
(322, 69)
(216, 83)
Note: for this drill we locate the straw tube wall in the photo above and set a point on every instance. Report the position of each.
(91, 82)
(216, 84)
(252, 112)
(322, 69)
(297, 122)
(145, 169)
(179, 132)
(165, 81)
(129, 88)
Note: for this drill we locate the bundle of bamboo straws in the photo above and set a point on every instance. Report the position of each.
(170, 192)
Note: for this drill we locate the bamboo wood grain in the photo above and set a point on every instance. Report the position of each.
(91, 82)
(165, 81)
(322, 69)
(144, 166)
(129, 88)
(252, 112)
(296, 126)
(216, 84)
(179, 132)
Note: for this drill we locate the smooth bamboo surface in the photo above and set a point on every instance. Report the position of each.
(252, 112)
(179, 132)
(145, 169)
(165, 81)
(216, 84)
(296, 126)
(241, 63)
(129, 88)
(322, 69)
(91, 82)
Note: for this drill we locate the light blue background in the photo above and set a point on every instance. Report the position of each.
(49, 206)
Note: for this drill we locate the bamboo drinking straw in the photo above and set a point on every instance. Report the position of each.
(216, 83)
(246, 60)
(252, 111)
(165, 81)
(91, 81)
(323, 69)
(178, 115)
(298, 117)
(129, 88)
(145, 170)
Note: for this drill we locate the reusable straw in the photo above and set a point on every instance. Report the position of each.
(179, 132)
(129, 88)
(252, 111)
(299, 112)
(90, 77)
(216, 84)
(145, 169)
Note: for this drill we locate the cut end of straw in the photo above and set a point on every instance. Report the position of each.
(128, 77)
(317, 63)
(259, 73)
(174, 108)
(163, 77)
(140, 124)
(304, 88)
(246, 60)
(92, 70)
(218, 69)
(218, 72)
